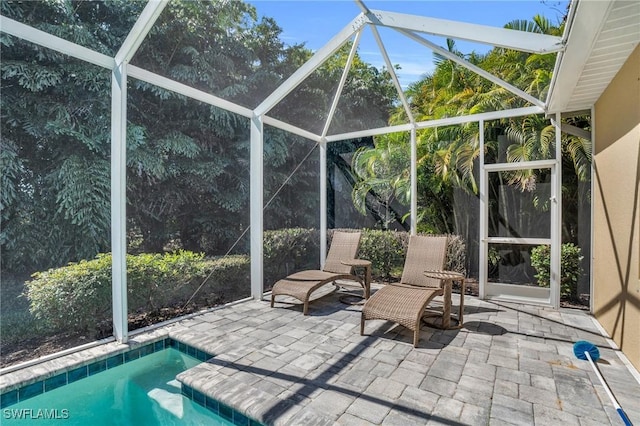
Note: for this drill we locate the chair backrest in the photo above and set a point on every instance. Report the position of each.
(344, 246)
(424, 253)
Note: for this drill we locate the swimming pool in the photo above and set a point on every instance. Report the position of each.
(140, 392)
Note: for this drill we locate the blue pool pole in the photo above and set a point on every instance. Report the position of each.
(586, 350)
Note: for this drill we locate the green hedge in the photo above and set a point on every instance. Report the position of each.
(77, 297)
(287, 251)
(291, 250)
(387, 250)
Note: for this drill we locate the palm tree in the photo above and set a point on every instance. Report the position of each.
(382, 172)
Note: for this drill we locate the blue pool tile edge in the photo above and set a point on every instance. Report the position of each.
(218, 408)
(74, 374)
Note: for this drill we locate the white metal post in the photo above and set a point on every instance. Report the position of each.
(556, 219)
(414, 182)
(256, 206)
(118, 201)
(592, 218)
(323, 202)
(131, 44)
(484, 224)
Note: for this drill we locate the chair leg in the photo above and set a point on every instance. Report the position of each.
(273, 296)
(416, 334)
(362, 324)
(305, 307)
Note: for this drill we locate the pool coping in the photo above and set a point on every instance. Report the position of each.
(68, 369)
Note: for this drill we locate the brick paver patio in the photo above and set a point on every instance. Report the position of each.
(510, 364)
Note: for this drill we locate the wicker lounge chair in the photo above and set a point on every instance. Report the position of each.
(404, 303)
(344, 247)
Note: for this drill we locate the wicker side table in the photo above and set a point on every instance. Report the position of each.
(448, 277)
(366, 265)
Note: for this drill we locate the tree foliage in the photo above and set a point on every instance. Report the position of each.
(448, 156)
(187, 162)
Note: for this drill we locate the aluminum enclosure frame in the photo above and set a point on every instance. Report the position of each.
(408, 25)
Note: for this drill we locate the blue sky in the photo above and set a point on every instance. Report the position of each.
(316, 22)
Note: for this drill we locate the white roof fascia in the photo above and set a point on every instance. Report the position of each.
(453, 57)
(311, 65)
(343, 79)
(485, 116)
(188, 91)
(33, 35)
(581, 36)
(290, 128)
(370, 132)
(394, 77)
(140, 29)
(494, 36)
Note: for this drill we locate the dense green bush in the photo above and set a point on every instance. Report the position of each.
(77, 297)
(385, 250)
(229, 280)
(287, 251)
(570, 264)
(156, 280)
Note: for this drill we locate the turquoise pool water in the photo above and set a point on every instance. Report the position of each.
(140, 392)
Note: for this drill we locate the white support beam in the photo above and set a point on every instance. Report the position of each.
(256, 206)
(556, 219)
(33, 35)
(118, 201)
(323, 202)
(311, 65)
(576, 131)
(521, 165)
(199, 95)
(414, 182)
(140, 29)
(370, 132)
(457, 59)
(343, 80)
(190, 92)
(485, 116)
(510, 240)
(592, 191)
(394, 76)
(273, 122)
(494, 36)
(450, 121)
(484, 219)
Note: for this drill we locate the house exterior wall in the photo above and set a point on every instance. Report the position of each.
(616, 204)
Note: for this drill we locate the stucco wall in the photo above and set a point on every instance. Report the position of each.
(616, 202)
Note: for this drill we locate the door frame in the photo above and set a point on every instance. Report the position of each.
(510, 292)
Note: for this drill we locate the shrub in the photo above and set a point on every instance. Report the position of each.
(570, 263)
(385, 250)
(287, 251)
(155, 280)
(77, 297)
(230, 280)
